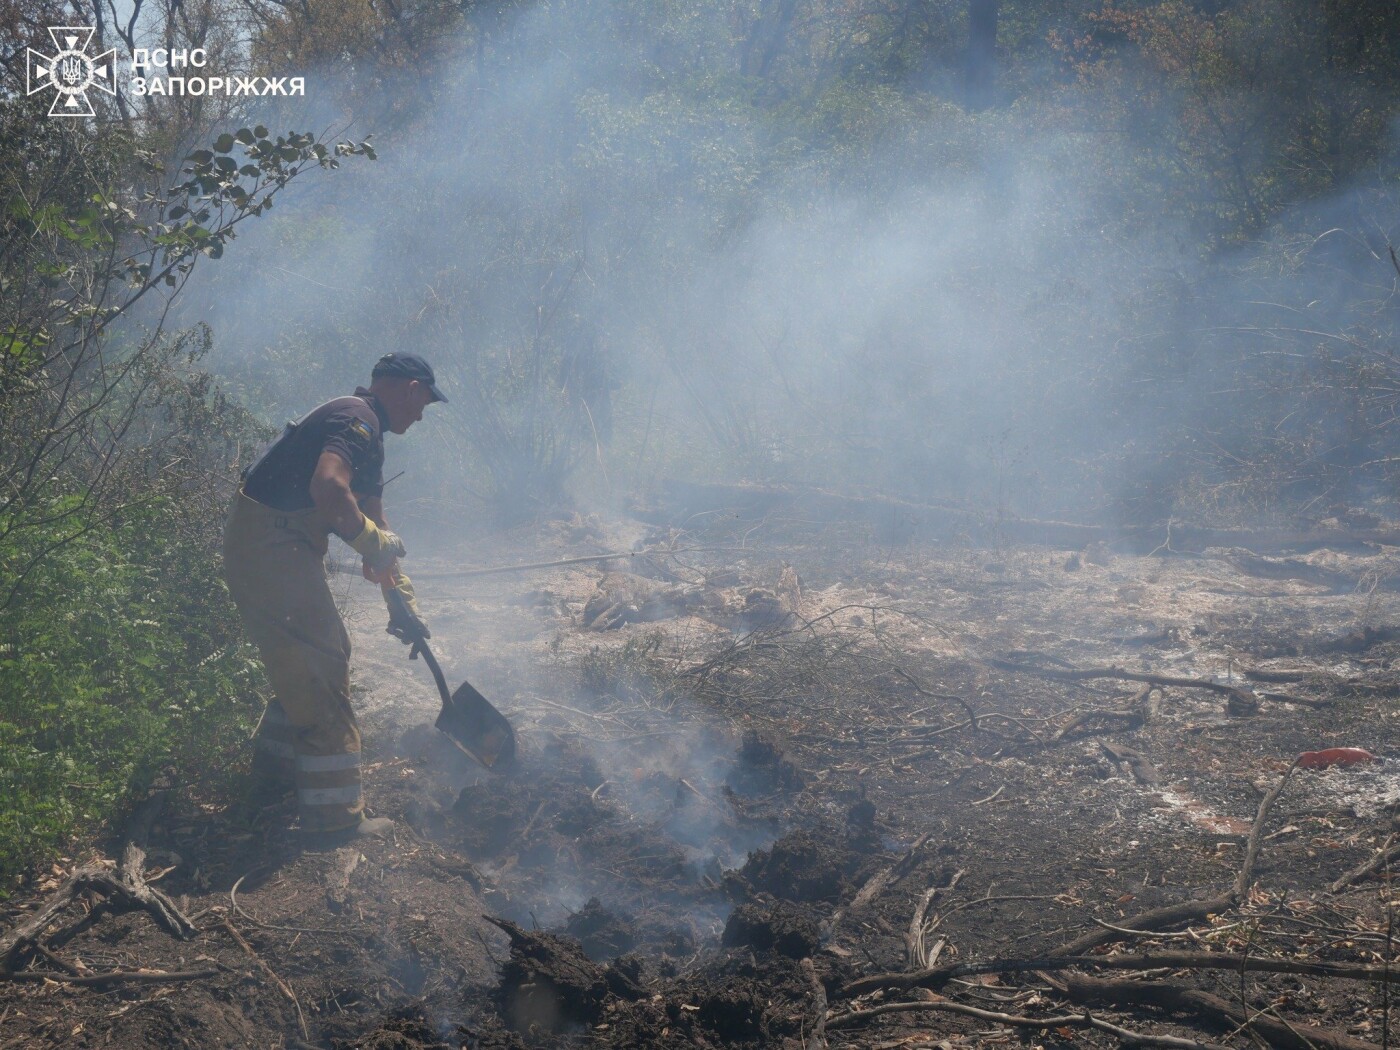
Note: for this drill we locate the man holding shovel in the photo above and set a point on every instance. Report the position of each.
(323, 475)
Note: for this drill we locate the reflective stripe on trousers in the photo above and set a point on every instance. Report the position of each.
(326, 785)
(272, 562)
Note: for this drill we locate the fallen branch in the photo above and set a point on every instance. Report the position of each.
(1389, 852)
(57, 960)
(125, 886)
(1274, 1031)
(1240, 701)
(1131, 718)
(1144, 772)
(917, 954)
(1194, 911)
(1084, 1020)
(135, 889)
(817, 1040)
(937, 977)
(1245, 878)
(282, 985)
(1171, 915)
(875, 884)
(1181, 935)
(1291, 569)
(114, 977)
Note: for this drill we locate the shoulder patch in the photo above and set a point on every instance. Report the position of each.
(360, 428)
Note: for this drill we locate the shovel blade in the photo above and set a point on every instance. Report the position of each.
(474, 725)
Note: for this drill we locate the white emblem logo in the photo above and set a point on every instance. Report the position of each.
(71, 72)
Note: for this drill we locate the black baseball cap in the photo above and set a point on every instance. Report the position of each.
(408, 366)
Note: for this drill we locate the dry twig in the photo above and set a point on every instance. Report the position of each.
(817, 1040)
(939, 976)
(241, 913)
(1389, 852)
(919, 956)
(282, 985)
(1275, 1032)
(1240, 701)
(1192, 911)
(97, 980)
(876, 883)
(1084, 1020)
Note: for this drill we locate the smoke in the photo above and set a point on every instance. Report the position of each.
(626, 262)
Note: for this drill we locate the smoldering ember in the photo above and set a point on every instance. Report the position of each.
(885, 514)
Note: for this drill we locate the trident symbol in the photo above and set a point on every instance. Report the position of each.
(73, 71)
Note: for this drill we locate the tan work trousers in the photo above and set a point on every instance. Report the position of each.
(273, 565)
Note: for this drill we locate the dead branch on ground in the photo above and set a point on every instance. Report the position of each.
(100, 980)
(1239, 701)
(817, 1040)
(1193, 911)
(1275, 1031)
(1389, 852)
(939, 976)
(1296, 569)
(125, 886)
(1084, 1020)
(1141, 767)
(919, 955)
(1133, 717)
(282, 985)
(875, 884)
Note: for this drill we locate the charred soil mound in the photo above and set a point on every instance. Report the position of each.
(407, 1028)
(815, 865)
(759, 768)
(732, 1002)
(601, 933)
(779, 926)
(412, 1027)
(550, 985)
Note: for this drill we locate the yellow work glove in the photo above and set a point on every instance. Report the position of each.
(404, 622)
(380, 548)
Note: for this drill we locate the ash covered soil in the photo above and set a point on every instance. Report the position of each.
(762, 766)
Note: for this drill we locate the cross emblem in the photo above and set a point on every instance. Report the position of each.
(71, 71)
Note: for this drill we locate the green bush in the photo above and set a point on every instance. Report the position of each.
(121, 659)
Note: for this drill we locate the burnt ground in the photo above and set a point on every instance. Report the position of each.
(794, 758)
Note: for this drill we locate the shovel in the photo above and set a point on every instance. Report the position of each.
(468, 718)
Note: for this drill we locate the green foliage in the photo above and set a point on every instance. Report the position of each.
(121, 659)
(120, 653)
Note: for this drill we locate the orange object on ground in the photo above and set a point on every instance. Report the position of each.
(1334, 756)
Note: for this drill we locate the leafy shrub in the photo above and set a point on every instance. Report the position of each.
(121, 659)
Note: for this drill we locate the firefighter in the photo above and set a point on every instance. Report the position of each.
(323, 475)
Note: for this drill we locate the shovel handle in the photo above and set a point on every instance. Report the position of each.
(399, 609)
(421, 646)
